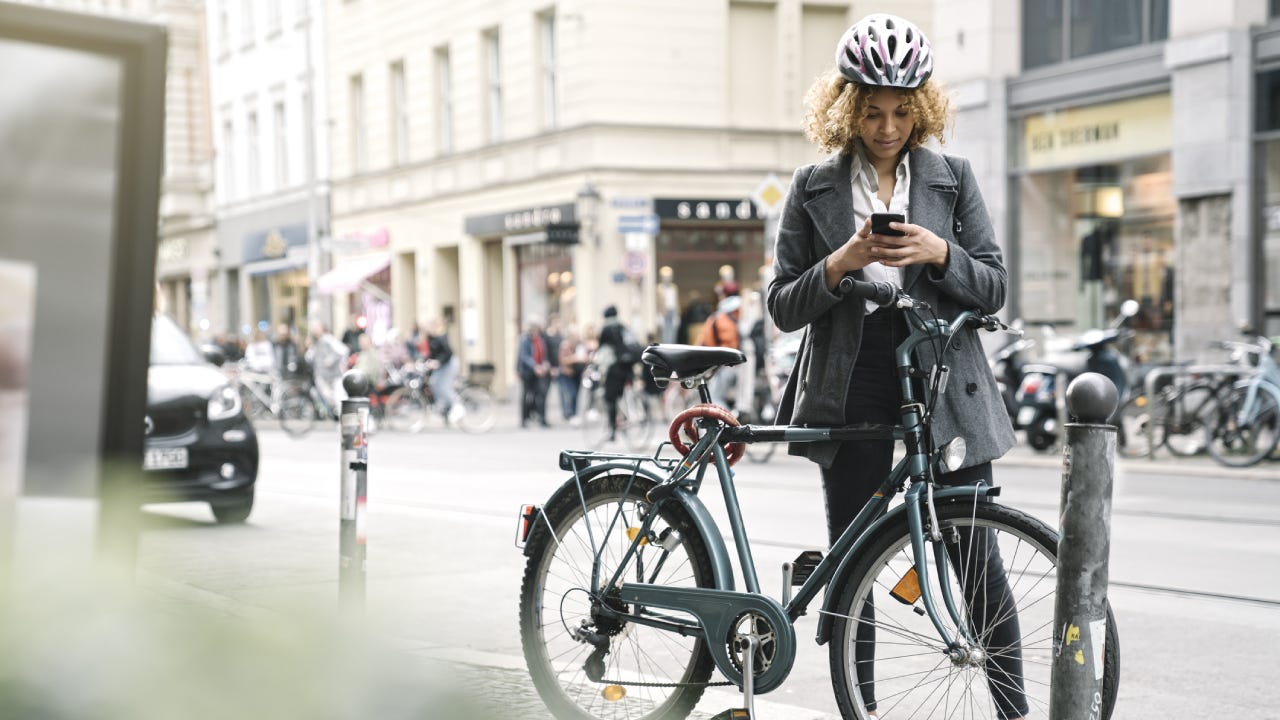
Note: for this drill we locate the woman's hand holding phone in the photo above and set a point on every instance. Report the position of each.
(910, 245)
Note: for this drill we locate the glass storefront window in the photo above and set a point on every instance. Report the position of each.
(1091, 26)
(1092, 237)
(1271, 235)
(546, 282)
(696, 253)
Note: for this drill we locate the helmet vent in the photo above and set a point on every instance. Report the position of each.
(875, 57)
(871, 33)
(908, 36)
(893, 45)
(888, 23)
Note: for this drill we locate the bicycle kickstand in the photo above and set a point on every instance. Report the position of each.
(747, 645)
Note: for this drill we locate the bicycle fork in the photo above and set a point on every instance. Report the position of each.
(962, 650)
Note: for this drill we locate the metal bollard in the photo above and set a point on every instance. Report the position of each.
(1080, 614)
(355, 464)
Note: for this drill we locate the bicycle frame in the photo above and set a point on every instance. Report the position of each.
(716, 608)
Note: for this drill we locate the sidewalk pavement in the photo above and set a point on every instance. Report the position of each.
(1163, 463)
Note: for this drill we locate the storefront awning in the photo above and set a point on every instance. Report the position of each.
(347, 277)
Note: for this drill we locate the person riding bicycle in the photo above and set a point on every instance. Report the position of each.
(873, 112)
(439, 358)
(619, 351)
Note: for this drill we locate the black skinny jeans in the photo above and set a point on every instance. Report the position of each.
(875, 396)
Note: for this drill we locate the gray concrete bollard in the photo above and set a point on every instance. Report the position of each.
(354, 424)
(1080, 614)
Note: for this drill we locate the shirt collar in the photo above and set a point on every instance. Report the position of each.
(861, 167)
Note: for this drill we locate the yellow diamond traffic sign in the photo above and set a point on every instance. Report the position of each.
(769, 195)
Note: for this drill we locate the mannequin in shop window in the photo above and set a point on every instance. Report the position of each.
(1095, 253)
(668, 303)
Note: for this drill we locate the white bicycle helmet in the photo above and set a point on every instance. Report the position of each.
(885, 51)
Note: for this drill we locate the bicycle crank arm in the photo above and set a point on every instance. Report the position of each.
(721, 614)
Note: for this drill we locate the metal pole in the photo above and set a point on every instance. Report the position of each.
(355, 463)
(317, 307)
(1080, 614)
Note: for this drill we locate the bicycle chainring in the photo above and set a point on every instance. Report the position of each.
(766, 652)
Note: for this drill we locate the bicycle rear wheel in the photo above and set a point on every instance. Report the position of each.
(1240, 436)
(407, 411)
(660, 674)
(477, 414)
(297, 411)
(1189, 412)
(1142, 426)
(886, 655)
(634, 419)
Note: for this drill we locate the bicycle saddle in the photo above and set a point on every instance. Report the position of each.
(685, 361)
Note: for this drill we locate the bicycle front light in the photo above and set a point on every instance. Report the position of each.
(951, 457)
(224, 403)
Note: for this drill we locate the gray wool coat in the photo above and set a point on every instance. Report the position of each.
(816, 220)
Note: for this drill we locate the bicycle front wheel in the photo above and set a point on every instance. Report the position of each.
(1189, 412)
(407, 410)
(297, 411)
(1242, 433)
(631, 670)
(886, 656)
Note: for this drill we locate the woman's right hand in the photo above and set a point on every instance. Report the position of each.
(855, 254)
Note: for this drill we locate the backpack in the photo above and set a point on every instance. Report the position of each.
(631, 348)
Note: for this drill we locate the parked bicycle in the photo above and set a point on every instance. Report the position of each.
(1246, 425)
(413, 406)
(629, 601)
(295, 402)
(1171, 408)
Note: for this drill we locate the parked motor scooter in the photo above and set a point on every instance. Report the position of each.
(1006, 365)
(1041, 393)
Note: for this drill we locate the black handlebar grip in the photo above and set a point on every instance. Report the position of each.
(880, 293)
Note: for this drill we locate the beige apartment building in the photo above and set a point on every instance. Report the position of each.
(496, 161)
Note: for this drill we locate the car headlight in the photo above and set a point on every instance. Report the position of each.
(224, 403)
(952, 455)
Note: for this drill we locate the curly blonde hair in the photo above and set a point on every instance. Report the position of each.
(835, 107)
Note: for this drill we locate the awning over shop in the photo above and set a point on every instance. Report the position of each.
(348, 276)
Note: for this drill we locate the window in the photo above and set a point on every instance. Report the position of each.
(281, 144)
(753, 64)
(399, 115)
(254, 159)
(820, 27)
(1273, 8)
(246, 22)
(444, 101)
(273, 17)
(228, 160)
(1057, 30)
(550, 78)
(493, 84)
(356, 98)
(224, 30)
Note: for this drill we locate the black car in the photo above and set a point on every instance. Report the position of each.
(199, 445)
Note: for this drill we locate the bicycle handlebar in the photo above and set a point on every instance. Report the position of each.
(885, 294)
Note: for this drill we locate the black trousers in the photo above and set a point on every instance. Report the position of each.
(875, 396)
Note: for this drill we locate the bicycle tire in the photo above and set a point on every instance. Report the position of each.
(595, 421)
(406, 411)
(297, 411)
(1189, 411)
(1142, 427)
(634, 419)
(556, 572)
(922, 681)
(477, 404)
(1236, 444)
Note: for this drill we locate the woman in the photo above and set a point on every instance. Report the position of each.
(874, 111)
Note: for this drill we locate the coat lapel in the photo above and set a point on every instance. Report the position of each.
(830, 202)
(933, 199)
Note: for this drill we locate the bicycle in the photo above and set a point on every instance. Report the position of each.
(1245, 426)
(412, 407)
(295, 403)
(1170, 410)
(634, 419)
(628, 600)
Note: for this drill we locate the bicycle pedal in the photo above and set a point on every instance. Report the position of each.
(803, 566)
(733, 714)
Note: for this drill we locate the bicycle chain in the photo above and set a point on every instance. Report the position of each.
(672, 685)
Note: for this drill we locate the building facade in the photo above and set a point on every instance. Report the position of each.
(1125, 148)
(498, 161)
(268, 94)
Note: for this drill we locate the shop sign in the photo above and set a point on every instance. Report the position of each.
(1098, 133)
(274, 243)
(712, 210)
(520, 221)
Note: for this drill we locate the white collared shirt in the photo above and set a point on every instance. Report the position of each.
(866, 184)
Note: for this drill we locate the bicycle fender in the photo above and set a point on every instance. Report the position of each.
(845, 568)
(721, 570)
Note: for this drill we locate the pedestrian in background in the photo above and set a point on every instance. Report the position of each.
(284, 351)
(614, 356)
(369, 362)
(573, 362)
(721, 330)
(533, 364)
(873, 112)
(443, 363)
(327, 357)
(258, 354)
(553, 337)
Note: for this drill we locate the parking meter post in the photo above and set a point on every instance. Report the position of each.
(1080, 614)
(354, 424)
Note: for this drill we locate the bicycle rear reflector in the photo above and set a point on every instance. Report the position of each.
(632, 532)
(907, 591)
(524, 523)
(613, 693)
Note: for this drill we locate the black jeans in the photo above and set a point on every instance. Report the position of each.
(875, 396)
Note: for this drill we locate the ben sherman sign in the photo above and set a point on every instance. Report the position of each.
(706, 209)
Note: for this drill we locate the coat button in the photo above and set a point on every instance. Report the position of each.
(971, 388)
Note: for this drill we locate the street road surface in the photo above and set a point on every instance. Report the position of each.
(1194, 562)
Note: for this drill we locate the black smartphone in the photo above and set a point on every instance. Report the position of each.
(880, 223)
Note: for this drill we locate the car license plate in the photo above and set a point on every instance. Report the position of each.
(1026, 414)
(164, 459)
